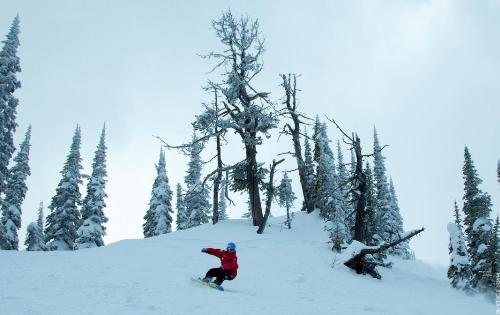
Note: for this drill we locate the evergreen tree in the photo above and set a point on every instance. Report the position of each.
(15, 193)
(158, 219)
(459, 271)
(286, 197)
(64, 218)
(9, 66)
(325, 174)
(345, 204)
(498, 171)
(309, 166)
(248, 214)
(391, 227)
(39, 221)
(493, 260)
(92, 230)
(182, 217)
(478, 225)
(403, 248)
(371, 216)
(196, 198)
(328, 196)
(222, 200)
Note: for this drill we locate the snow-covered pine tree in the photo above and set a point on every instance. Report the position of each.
(286, 197)
(158, 218)
(92, 230)
(493, 260)
(316, 134)
(35, 239)
(9, 66)
(15, 192)
(182, 218)
(222, 200)
(248, 213)
(328, 193)
(477, 221)
(386, 207)
(403, 248)
(196, 197)
(371, 216)
(498, 171)
(459, 271)
(345, 204)
(325, 174)
(309, 163)
(64, 218)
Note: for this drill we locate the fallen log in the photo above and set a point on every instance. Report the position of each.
(364, 264)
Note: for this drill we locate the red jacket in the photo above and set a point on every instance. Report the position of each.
(228, 259)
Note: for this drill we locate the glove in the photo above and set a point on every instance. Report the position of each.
(203, 250)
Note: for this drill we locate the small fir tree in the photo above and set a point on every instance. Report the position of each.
(222, 201)
(459, 271)
(64, 218)
(35, 239)
(498, 171)
(158, 218)
(92, 230)
(15, 193)
(181, 209)
(286, 197)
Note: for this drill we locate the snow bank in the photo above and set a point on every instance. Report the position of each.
(281, 272)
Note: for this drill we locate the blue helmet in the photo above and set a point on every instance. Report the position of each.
(231, 246)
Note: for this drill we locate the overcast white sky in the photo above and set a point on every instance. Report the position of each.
(426, 73)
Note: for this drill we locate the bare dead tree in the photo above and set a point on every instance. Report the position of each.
(289, 84)
(270, 195)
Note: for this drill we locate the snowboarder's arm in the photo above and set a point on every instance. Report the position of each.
(214, 251)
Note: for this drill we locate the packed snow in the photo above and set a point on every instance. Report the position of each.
(280, 272)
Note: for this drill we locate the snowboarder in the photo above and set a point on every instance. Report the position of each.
(229, 264)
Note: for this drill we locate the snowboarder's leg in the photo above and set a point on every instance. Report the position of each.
(214, 272)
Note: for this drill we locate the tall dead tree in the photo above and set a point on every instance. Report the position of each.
(250, 113)
(289, 84)
(270, 193)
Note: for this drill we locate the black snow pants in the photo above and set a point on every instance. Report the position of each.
(220, 274)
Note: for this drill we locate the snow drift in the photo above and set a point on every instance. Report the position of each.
(281, 272)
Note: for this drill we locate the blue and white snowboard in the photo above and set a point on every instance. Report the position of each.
(208, 284)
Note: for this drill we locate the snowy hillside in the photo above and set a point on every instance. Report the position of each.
(281, 272)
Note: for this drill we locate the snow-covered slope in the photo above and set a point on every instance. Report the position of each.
(281, 272)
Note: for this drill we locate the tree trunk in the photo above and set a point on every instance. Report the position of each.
(253, 185)
(291, 105)
(306, 190)
(289, 223)
(359, 194)
(269, 199)
(215, 215)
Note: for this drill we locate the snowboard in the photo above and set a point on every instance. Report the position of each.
(208, 284)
